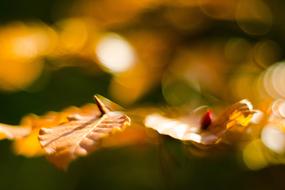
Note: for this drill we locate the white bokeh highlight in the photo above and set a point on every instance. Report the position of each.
(273, 138)
(115, 53)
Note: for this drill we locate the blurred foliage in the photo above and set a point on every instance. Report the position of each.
(180, 54)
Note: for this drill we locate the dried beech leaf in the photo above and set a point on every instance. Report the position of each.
(81, 134)
(13, 132)
(207, 132)
(29, 146)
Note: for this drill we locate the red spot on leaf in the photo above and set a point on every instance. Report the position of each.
(206, 120)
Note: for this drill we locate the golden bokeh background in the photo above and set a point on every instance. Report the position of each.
(176, 54)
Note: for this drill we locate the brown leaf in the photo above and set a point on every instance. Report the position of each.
(81, 134)
(13, 132)
(207, 132)
(29, 146)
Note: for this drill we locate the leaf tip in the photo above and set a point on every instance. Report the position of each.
(247, 103)
(101, 106)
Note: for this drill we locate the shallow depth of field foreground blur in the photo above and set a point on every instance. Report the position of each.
(156, 54)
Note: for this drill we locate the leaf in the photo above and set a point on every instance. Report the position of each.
(208, 131)
(13, 132)
(81, 134)
(29, 146)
